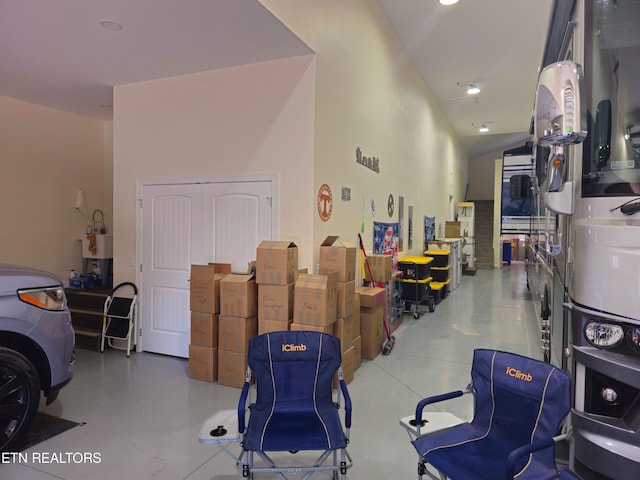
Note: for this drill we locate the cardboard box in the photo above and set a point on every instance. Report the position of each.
(268, 326)
(371, 331)
(234, 333)
(312, 328)
(275, 302)
(452, 229)
(357, 349)
(238, 296)
(276, 263)
(204, 329)
(345, 298)
(338, 255)
(380, 268)
(232, 368)
(442, 244)
(204, 286)
(203, 363)
(315, 299)
(371, 297)
(356, 315)
(343, 329)
(348, 367)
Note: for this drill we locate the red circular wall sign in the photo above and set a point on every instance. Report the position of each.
(325, 202)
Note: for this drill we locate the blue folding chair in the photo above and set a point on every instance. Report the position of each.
(294, 409)
(519, 405)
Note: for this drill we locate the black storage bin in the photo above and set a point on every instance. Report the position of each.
(413, 268)
(415, 291)
(440, 257)
(440, 274)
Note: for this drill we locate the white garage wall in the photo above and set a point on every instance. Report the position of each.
(243, 120)
(46, 156)
(369, 95)
(302, 118)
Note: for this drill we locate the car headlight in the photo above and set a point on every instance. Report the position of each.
(603, 335)
(51, 298)
(633, 338)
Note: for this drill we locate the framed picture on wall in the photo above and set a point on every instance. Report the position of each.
(429, 231)
(410, 227)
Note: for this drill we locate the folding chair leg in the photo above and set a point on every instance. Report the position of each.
(343, 464)
(421, 469)
(247, 466)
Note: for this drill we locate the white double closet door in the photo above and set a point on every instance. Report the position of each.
(189, 224)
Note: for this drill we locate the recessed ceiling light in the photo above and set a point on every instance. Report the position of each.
(111, 25)
(482, 128)
(447, 2)
(473, 89)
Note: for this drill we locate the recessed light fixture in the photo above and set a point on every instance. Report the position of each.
(482, 128)
(447, 2)
(111, 25)
(473, 89)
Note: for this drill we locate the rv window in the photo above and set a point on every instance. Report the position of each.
(611, 151)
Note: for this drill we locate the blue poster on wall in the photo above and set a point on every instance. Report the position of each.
(385, 240)
(429, 230)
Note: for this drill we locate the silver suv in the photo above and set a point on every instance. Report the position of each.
(36, 346)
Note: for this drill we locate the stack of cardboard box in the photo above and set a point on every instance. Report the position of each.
(356, 343)
(204, 301)
(337, 255)
(315, 302)
(382, 271)
(381, 268)
(276, 271)
(372, 300)
(238, 323)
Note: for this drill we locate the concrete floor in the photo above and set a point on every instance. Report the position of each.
(142, 415)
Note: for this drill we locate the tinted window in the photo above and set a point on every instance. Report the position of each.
(611, 151)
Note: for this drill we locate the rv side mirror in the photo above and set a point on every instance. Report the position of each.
(519, 187)
(559, 116)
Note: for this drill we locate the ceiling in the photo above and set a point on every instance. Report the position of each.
(56, 54)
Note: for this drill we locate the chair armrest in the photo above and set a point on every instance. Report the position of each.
(347, 403)
(242, 406)
(526, 450)
(436, 398)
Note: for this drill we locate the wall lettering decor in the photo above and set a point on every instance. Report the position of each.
(372, 163)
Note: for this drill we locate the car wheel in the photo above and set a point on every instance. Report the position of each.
(19, 396)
